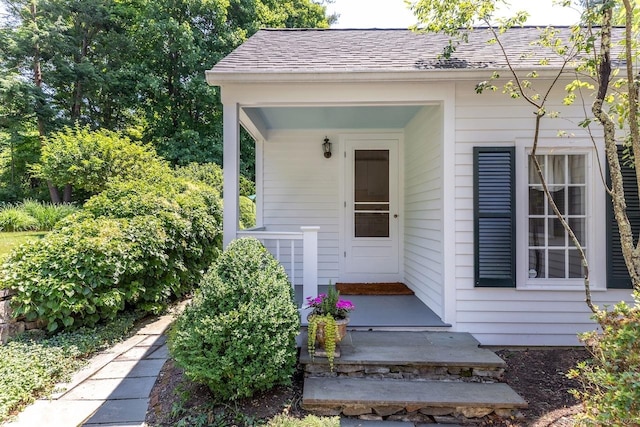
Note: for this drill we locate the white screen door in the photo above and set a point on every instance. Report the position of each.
(371, 209)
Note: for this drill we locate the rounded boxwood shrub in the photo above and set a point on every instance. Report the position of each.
(238, 335)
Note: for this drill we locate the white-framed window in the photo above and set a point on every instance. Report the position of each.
(547, 257)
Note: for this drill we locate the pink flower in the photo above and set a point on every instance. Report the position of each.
(344, 304)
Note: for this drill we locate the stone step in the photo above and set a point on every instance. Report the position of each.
(404, 400)
(408, 355)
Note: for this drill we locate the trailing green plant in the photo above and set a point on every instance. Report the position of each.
(330, 327)
(238, 335)
(31, 365)
(13, 218)
(610, 380)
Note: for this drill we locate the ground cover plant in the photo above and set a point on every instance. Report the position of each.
(238, 335)
(31, 364)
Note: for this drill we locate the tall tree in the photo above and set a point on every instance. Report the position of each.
(178, 40)
(131, 65)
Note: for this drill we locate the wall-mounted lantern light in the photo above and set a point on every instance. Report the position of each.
(326, 147)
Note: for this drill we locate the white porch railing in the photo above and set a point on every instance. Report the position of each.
(297, 251)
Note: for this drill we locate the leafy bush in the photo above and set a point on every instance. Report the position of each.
(135, 244)
(30, 366)
(46, 214)
(86, 271)
(247, 213)
(611, 379)
(207, 173)
(16, 219)
(247, 187)
(238, 336)
(89, 160)
(211, 174)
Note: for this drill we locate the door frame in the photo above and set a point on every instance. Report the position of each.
(342, 234)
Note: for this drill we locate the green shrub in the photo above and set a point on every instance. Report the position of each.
(238, 336)
(207, 173)
(16, 219)
(191, 215)
(611, 379)
(90, 159)
(247, 187)
(247, 213)
(46, 214)
(135, 244)
(211, 174)
(86, 271)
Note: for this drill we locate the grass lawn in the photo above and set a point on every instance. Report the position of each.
(9, 240)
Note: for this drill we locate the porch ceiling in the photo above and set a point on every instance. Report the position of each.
(333, 117)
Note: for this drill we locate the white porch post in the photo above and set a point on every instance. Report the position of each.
(231, 166)
(309, 262)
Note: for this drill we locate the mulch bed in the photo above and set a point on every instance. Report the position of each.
(538, 375)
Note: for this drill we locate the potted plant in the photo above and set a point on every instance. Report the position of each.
(327, 322)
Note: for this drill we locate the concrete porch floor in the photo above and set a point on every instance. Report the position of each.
(387, 311)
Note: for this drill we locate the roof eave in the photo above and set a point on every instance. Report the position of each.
(220, 78)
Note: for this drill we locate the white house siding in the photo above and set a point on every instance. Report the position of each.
(300, 188)
(423, 207)
(509, 316)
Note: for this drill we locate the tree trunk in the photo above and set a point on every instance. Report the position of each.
(37, 80)
(67, 193)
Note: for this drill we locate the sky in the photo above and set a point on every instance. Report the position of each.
(394, 13)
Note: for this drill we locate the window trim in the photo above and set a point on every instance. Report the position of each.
(595, 214)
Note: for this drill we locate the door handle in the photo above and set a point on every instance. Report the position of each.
(395, 216)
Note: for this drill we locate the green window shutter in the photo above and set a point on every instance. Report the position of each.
(494, 216)
(617, 273)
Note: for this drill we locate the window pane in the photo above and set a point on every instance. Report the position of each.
(533, 173)
(559, 198)
(577, 169)
(371, 225)
(371, 176)
(555, 233)
(578, 227)
(536, 201)
(577, 202)
(536, 232)
(575, 264)
(555, 170)
(556, 264)
(536, 264)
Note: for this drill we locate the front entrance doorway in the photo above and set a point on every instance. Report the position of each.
(371, 209)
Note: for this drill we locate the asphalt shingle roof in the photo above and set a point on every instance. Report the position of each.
(378, 50)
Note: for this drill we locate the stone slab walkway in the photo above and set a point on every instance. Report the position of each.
(112, 390)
